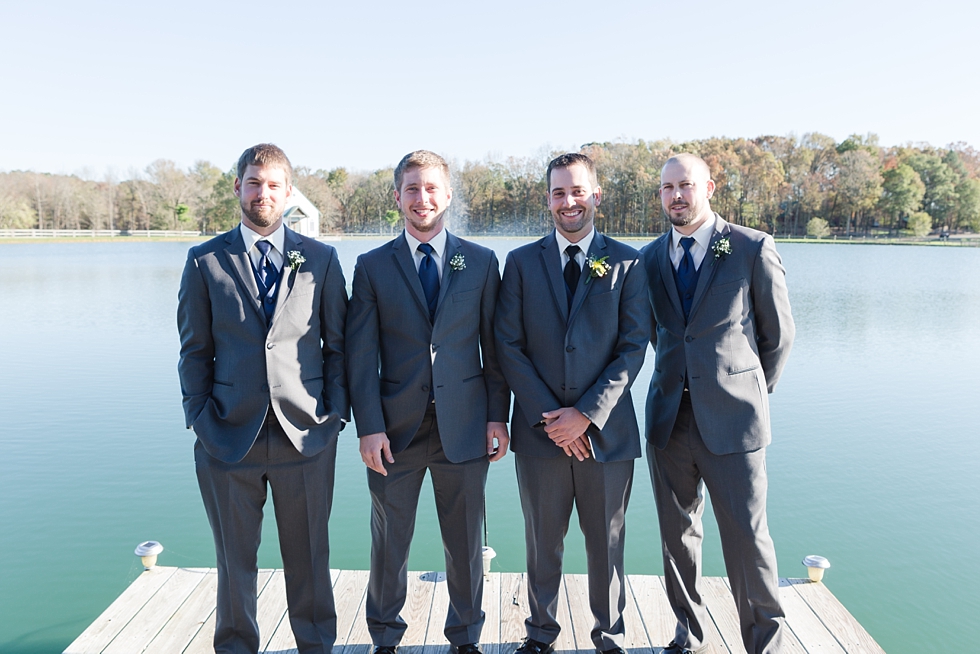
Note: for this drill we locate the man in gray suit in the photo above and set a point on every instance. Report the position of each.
(427, 394)
(572, 327)
(261, 315)
(722, 332)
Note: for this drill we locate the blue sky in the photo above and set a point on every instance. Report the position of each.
(101, 87)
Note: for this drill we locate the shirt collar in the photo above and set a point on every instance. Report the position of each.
(438, 243)
(584, 244)
(702, 234)
(277, 238)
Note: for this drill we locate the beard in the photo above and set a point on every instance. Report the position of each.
(426, 226)
(690, 214)
(575, 226)
(262, 216)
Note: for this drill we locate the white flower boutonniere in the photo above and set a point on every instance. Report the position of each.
(295, 259)
(596, 267)
(458, 262)
(721, 249)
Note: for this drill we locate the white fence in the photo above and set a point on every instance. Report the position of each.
(93, 233)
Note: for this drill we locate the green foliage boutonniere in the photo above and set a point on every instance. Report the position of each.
(721, 249)
(295, 259)
(458, 262)
(596, 267)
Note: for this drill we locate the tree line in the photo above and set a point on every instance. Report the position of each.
(786, 185)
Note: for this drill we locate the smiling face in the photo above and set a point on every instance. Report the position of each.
(685, 191)
(572, 199)
(262, 192)
(423, 199)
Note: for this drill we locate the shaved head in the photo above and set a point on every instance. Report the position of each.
(692, 162)
(685, 192)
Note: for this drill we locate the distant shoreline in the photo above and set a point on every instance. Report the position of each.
(965, 240)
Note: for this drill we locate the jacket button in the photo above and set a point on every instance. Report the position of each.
(265, 387)
(425, 388)
(689, 338)
(269, 346)
(569, 349)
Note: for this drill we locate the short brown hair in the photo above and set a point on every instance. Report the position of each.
(419, 159)
(265, 154)
(570, 159)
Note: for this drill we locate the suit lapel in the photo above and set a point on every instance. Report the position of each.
(448, 274)
(242, 265)
(405, 263)
(585, 285)
(551, 261)
(708, 264)
(662, 258)
(287, 278)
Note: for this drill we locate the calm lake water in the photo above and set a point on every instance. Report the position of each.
(875, 462)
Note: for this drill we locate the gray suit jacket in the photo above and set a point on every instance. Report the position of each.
(233, 367)
(395, 353)
(587, 358)
(733, 347)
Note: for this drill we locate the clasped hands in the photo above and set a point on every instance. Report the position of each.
(566, 427)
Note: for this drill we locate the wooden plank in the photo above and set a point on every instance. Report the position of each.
(658, 616)
(721, 607)
(101, 632)
(804, 623)
(566, 637)
(168, 608)
(637, 640)
(435, 638)
(790, 645)
(359, 638)
(848, 632)
(272, 614)
(153, 615)
(653, 608)
(580, 621)
(490, 639)
(203, 641)
(418, 605)
(349, 592)
(190, 616)
(513, 610)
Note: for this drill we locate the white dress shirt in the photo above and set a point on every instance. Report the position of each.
(702, 238)
(438, 243)
(583, 245)
(276, 254)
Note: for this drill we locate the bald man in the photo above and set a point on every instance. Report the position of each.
(722, 331)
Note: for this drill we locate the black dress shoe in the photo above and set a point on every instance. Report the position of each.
(674, 648)
(386, 649)
(531, 646)
(468, 648)
(614, 650)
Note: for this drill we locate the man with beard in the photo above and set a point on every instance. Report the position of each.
(261, 314)
(722, 333)
(427, 394)
(572, 327)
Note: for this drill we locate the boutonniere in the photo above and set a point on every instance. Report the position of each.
(458, 262)
(295, 259)
(596, 267)
(721, 248)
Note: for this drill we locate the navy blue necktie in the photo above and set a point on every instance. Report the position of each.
(572, 273)
(429, 276)
(687, 276)
(268, 275)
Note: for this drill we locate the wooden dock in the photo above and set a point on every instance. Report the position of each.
(170, 610)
